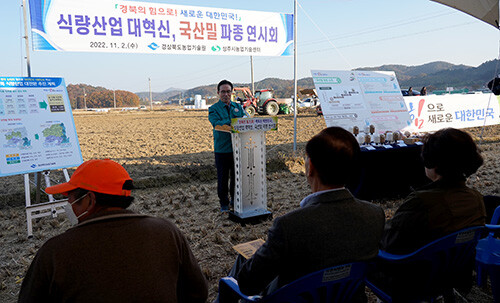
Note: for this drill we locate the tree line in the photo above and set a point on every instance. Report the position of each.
(99, 97)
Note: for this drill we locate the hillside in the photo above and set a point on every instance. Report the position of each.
(87, 96)
(169, 94)
(435, 76)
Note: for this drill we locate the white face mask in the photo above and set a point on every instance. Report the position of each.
(68, 209)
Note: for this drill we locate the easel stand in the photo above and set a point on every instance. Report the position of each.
(250, 191)
(38, 210)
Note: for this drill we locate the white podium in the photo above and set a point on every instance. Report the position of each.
(249, 151)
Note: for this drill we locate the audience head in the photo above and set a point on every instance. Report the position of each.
(96, 185)
(332, 154)
(451, 153)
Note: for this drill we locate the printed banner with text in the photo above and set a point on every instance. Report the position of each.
(158, 28)
(37, 130)
(431, 113)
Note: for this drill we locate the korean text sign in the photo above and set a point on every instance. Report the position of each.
(143, 27)
(242, 125)
(361, 98)
(431, 113)
(37, 130)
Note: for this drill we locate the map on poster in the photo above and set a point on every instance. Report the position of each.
(37, 130)
(361, 98)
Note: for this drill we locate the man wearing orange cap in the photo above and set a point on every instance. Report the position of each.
(113, 254)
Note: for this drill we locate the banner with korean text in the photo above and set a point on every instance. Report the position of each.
(432, 113)
(158, 28)
(37, 130)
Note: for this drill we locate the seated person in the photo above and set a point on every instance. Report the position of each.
(445, 205)
(112, 254)
(442, 207)
(330, 228)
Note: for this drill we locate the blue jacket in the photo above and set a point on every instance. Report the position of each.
(218, 115)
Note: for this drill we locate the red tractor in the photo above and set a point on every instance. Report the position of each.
(263, 102)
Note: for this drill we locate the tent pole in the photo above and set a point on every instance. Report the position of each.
(295, 76)
(26, 39)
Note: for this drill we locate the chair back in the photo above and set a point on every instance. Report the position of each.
(434, 269)
(488, 257)
(334, 284)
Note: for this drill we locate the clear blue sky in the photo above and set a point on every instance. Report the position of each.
(366, 33)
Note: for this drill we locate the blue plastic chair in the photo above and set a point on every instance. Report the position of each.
(438, 265)
(334, 284)
(488, 257)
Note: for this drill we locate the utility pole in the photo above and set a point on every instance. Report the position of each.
(114, 98)
(150, 95)
(84, 99)
(251, 71)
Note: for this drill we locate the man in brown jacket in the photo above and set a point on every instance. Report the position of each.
(112, 255)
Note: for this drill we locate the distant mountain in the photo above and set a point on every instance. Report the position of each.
(439, 75)
(168, 94)
(404, 72)
(435, 76)
(173, 89)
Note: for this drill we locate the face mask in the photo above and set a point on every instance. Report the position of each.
(68, 209)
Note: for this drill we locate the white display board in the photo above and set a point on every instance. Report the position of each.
(433, 112)
(361, 98)
(37, 130)
(158, 28)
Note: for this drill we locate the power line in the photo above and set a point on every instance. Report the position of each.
(329, 41)
(389, 38)
(383, 27)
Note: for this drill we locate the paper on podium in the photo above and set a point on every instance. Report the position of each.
(249, 248)
(223, 128)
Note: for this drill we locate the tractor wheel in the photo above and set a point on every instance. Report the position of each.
(250, 111)
(271, 108)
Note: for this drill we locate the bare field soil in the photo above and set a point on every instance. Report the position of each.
(169, 156)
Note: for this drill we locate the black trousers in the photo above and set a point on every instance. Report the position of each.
(225, 174)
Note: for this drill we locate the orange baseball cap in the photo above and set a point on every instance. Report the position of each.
(101, 176)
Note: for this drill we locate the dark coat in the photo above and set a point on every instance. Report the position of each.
(116, 257)
(432, 212)
(219, 115)
(332, 229)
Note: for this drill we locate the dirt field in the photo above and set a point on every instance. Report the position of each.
(169, 156)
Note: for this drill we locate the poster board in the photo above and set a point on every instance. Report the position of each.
(37, 130)
(433, 112)
(361, 98)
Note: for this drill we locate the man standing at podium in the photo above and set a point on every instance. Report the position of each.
(220, 115)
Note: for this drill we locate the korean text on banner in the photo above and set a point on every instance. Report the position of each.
(37, 130)
(432, 112)
(361, 98)
(141, 27)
